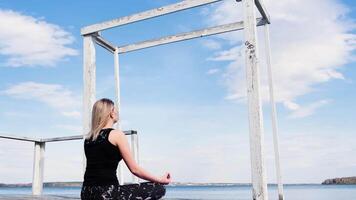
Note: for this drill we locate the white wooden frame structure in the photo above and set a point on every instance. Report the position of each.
(91, 35)
(39, 154)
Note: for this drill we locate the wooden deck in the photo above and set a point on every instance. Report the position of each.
(44, 197)
(31, 197)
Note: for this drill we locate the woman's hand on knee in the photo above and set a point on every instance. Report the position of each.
(165, 179)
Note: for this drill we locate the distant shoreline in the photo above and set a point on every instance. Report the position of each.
(333, 181)
(79, 184)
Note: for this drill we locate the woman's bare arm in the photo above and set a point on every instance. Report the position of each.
(121, 142)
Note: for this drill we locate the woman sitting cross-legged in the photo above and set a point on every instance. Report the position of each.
(104, 147)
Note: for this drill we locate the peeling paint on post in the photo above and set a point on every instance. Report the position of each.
(134, 150)
(89, 70)
(258, 174)
(273, 113)
(38, 167)
(118, 106)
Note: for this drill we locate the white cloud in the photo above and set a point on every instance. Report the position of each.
(74, 114)
(211, 44)
(313, 156)
(58, 166)
(11, 168)
(216, 150)
(310, 42)
(227, 55)
(213, 71)
(27, 41)
(304, 157)
(308, 109)
(54, 95)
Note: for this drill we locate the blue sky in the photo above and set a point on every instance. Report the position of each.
(187, 100)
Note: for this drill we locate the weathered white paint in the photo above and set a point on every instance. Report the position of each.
(55, 139)
(187, 36)
(182, 5)
(28, 139)
(59, 139)
(258, 174)
(117, 86)
(252, 71)
(118, 106)
(89, 94)
(38, 167)
(262, 9)
(134, 150)
(273, 113)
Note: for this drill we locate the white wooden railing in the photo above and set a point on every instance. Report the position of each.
(39, 150)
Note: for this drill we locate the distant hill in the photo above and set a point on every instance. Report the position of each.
(340, 181)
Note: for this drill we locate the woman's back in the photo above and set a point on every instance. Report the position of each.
(102, 160)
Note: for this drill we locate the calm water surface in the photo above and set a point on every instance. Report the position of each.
(238, 192)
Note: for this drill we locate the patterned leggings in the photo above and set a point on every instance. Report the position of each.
(144, 191)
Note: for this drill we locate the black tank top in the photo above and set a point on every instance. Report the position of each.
(102, 160)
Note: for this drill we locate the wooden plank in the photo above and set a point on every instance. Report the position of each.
(117, 86)
(79, 137)
(89, 79)
(105, 44)
(182, 5)
(55, 139)
(258, 171)
(273, 114)
(12, 137)
(262, 9)
(187, 36)
(61, 196)
(38, 168)
(134, 150)
(58, 139)
(39, 197)
(120, 170)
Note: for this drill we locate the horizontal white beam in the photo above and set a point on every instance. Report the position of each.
(12, 137)
(186, 36)
(78, 137)
(183, 5)
(55, 139)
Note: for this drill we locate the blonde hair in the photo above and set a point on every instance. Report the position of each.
(100, 116)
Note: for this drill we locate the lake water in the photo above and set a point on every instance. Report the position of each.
(238, 192)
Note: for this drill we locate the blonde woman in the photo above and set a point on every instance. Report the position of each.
(104, 147)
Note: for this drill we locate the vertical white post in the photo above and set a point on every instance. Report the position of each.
(89, 94)
(118, 105)
(134, 149)
(258, 172)
(274, 113)
(38, 167)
